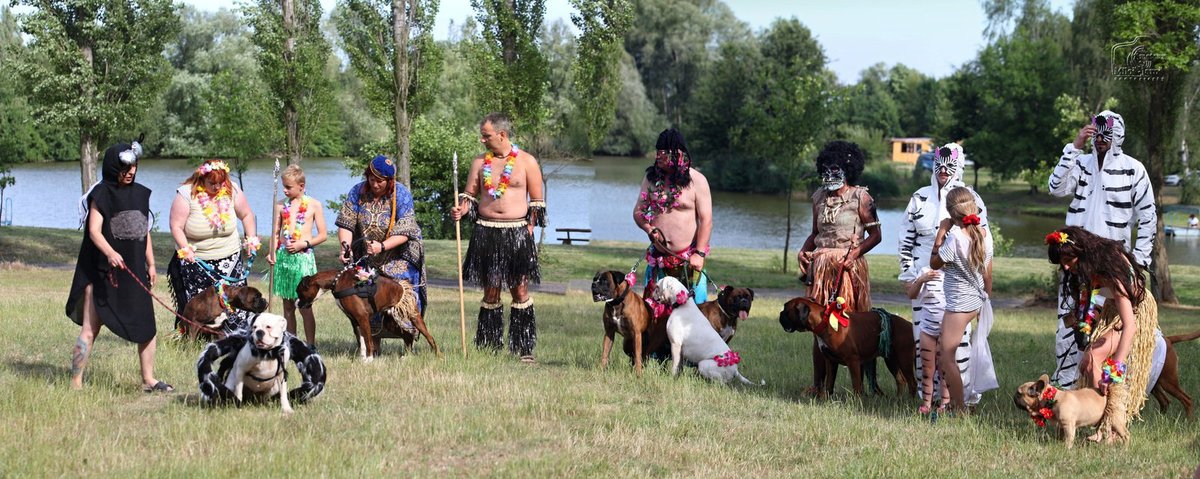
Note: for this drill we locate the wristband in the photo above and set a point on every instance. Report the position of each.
(1113, 372)
(187, 253)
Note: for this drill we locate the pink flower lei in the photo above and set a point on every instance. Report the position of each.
(661, 198)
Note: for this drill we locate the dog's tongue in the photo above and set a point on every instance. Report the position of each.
(742, 315)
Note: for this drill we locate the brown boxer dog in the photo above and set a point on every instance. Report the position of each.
(1168, 379)
(391, 297)
(731, 306)
(855, 346)
(205, 307)
(625, 312)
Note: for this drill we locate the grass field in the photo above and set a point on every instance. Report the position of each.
(421, 416)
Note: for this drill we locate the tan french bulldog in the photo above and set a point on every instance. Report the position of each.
(1070, 409)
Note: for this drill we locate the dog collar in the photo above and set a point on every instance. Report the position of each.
(620, 297)
(1045, 402)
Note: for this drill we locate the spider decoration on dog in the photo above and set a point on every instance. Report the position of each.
(257, 362)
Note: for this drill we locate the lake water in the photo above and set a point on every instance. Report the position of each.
(599, 195)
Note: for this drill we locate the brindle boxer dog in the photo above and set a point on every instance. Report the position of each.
(855, 346)
(731, 306)
(392, 297)
(205, 307)
(625, 312)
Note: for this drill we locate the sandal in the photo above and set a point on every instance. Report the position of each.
(158, 387)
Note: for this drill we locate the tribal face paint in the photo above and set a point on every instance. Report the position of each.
(833, 177)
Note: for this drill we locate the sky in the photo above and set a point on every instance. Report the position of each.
(932, 36)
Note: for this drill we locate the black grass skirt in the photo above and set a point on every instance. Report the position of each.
(502, 254)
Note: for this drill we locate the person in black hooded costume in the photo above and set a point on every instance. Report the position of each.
(116, 246)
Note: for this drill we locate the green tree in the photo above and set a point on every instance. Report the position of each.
(94, 65)
(602, 25)
(241, 125)
(509, 71)
(637, 122)
(1152, 102)
(292, 54)
(787, 112)
(391, 49)
(669, 41)
(1003, 101)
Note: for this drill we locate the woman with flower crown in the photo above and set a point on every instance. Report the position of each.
(209, 249)
(1116, 319)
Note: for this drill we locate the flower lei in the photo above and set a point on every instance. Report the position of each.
(1089, 308)
(730, 358)
(1046, 411)
(1113, 372)
(498, 190)
(295, 227)
(659, 199)
(218, 210)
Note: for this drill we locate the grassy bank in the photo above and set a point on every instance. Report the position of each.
(1014, 277)
(491, 416)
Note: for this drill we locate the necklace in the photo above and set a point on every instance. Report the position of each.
(660, 198)
(498, 190)
(217, 210)
(291, 232)
(833, 205)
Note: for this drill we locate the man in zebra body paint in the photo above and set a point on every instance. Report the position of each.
(1110, 190)
(926, 209)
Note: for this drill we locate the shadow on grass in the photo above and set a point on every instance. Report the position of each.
(55, 374)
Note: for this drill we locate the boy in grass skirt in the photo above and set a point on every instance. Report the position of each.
(504, 193)
(292, 245)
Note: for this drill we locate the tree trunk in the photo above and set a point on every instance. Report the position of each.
(291, 117)
(87, 143)
(1159, 125)
(787, 236)
(402, 14)
(87, 159)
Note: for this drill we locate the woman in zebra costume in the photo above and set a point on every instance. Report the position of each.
(926, 209)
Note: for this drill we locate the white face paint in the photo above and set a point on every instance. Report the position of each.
(833, 178)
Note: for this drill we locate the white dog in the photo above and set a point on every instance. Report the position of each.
(259, 365)
(693, 337)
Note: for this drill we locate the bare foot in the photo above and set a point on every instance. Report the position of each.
(76, 383)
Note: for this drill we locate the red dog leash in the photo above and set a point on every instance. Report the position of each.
(199, 326)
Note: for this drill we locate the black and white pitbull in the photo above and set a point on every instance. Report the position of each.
(255, 361)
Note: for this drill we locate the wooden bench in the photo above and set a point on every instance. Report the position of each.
(568, 239)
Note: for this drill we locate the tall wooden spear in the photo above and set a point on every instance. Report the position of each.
(462, 305)
(271, 242)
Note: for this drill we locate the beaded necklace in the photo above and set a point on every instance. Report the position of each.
(498, 190)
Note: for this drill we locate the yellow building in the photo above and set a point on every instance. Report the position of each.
(906, 150)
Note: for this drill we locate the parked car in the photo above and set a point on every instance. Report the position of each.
(1172, 180)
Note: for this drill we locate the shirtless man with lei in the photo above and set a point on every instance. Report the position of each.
(504, 193)
(674, 208)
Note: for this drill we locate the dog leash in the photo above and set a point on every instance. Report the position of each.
(198, 326)
(215, 275)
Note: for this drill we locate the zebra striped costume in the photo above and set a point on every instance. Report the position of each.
(925, 210)
(1104, 202)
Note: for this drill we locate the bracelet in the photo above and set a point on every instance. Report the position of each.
(307, 244)
(1113, 372)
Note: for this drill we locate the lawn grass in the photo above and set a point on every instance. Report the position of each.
(420, 416)
(1014, 277)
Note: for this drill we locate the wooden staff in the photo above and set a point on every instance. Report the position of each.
(462, 305)
(271, 242)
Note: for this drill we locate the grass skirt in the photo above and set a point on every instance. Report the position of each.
(502, 254)
(289, 269)
(1139, 361)
(855, 285)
